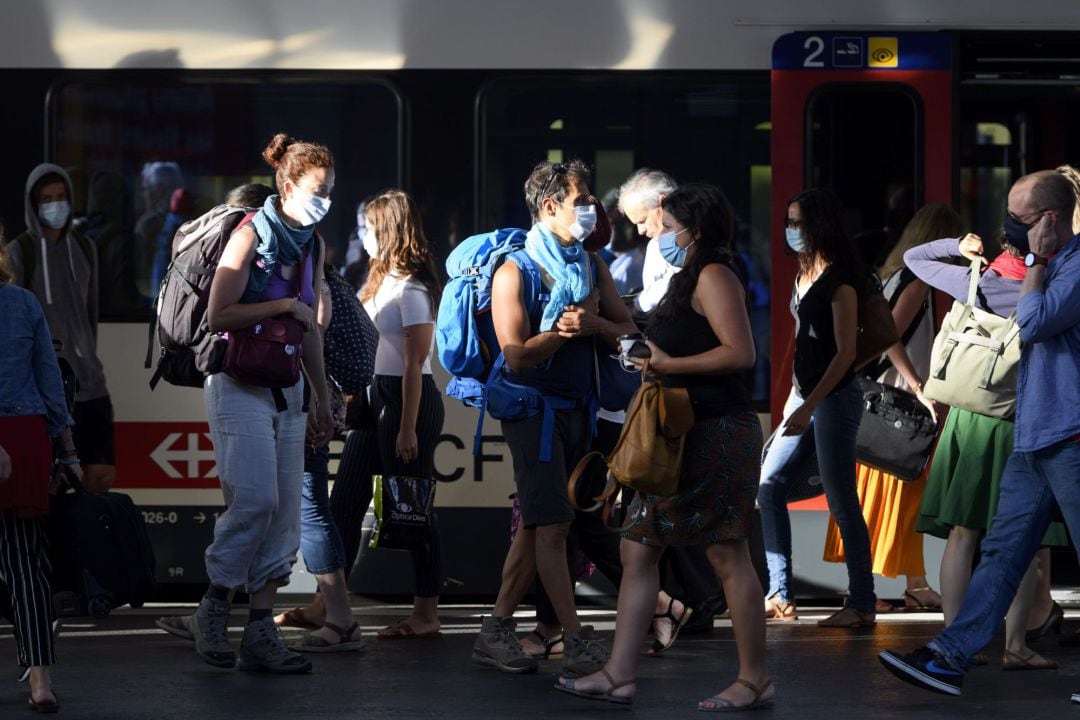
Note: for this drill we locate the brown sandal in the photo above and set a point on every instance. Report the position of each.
(722, 704)
(1034, 661)
(566, 685)
(780, 610)
(295, 619)
(849, 617)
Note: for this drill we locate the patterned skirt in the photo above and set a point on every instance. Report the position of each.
(721, 470)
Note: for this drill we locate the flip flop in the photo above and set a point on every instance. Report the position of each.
(295, 619)
(344, 643)
(658, 647)
(403, 631)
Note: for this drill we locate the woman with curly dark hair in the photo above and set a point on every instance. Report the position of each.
(824, 408)
(700, 339)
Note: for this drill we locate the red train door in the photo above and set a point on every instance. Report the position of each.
(871, 116)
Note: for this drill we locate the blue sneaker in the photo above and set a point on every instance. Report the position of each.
(924, 668)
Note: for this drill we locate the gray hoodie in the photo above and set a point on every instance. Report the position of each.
(65, 282)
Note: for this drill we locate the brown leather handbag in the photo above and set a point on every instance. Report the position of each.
(648, 456)
(877, 330)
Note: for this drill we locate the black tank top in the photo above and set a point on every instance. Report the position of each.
(712, 396)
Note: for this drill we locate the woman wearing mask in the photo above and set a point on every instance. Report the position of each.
(401, 295)
(700, 340)
(266, 271)
(891, 505)
(824, 408)
(32, 409)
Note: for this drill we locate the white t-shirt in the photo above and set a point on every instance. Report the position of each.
(399, 303)
(655, 276)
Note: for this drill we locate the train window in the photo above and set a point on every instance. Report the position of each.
(146, 150)
(697, 127)
(865, 142)
(1007, 131)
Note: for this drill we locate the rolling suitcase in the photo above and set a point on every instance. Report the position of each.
(101, 553)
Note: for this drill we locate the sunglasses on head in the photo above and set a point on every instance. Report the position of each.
(556, 169)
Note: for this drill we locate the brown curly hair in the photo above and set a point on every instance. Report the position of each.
(292, 158)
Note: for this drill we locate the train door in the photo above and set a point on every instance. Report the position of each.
(871, 116)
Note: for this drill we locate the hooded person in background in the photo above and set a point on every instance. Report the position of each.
(59, 265)
(159, 181)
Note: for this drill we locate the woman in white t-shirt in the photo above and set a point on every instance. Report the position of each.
(401, 295)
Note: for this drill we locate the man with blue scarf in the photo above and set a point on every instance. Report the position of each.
(549, 343)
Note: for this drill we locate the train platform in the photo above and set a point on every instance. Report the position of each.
(123, 668)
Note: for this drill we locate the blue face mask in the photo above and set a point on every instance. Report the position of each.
(795, 239)
(670, 250)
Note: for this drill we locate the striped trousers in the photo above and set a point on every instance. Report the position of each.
(371, 451)
(25, 569)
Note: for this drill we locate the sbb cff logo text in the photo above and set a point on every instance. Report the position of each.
(174, 455)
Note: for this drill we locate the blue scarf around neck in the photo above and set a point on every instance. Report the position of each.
(278, 242)
(565, 265)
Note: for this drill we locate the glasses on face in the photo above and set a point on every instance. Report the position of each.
(790, 223)
(556, 169)
(1020, 218)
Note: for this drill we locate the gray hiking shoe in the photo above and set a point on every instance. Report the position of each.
(497, 646)
(182, 626)
(583, 654)
(211, 631)
(263, 649)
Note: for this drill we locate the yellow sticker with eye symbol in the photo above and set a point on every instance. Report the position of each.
(882, 52)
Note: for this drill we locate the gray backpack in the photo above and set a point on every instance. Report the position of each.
(189, 351)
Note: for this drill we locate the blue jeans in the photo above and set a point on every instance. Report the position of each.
(320, 541)
(1030, 484)
(831, 433)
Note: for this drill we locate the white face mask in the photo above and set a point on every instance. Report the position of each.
(795, 239)
(371, 245)
(307, 209)
(584, 222)
(54, 214)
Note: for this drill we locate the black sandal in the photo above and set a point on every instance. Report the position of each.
(549, 646)
(658, 647)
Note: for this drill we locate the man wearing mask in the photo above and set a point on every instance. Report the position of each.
(59, 265)
(639, 201)
(549, 347)
(1045, 461)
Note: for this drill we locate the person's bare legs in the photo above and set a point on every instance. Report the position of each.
(519, 570)
(1043, 603)
(637, 600)
(1017, 617)
(263, 599)
(956, 562)
(550, 548)
(918, 587)
(333, 598)
(41, 684)
(746, 600)
(424, 617)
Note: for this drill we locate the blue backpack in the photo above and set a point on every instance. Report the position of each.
(465, 334)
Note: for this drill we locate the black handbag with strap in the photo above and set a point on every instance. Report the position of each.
(897, 433)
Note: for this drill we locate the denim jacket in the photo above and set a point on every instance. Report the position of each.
(30, 381)
(1048, 384)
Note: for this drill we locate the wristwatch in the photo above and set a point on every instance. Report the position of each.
(1031, 259)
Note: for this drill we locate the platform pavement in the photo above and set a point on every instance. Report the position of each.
(124, 668)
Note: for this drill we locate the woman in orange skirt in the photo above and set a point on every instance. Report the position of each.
(891, 505)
